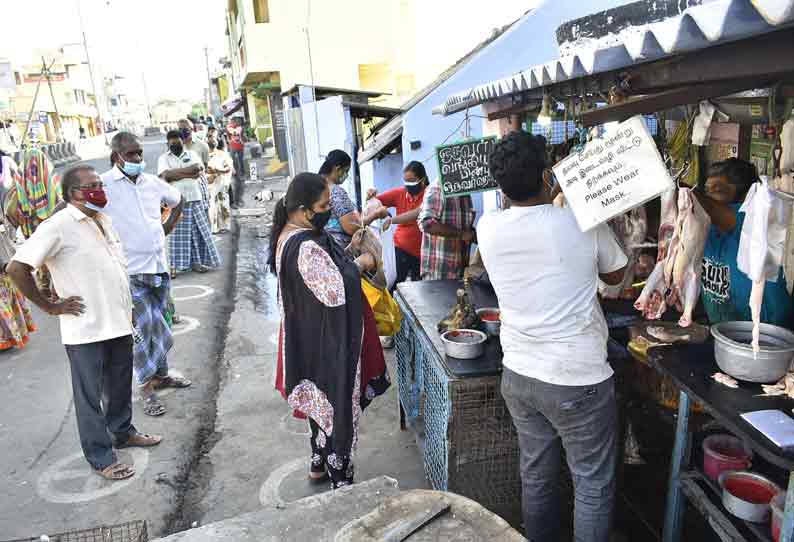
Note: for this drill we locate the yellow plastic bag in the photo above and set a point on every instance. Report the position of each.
(388, 316)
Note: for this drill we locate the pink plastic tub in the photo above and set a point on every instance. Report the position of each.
(725, 452)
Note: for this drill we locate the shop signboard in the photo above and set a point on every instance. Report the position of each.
(463, 167)
(613, 174)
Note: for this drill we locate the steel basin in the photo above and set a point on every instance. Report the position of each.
(464, 343)
(736, 358)
(739, 505)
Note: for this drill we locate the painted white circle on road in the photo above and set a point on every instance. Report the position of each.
(186, 325)
(269, 494)
(72, 480)
(205, 291)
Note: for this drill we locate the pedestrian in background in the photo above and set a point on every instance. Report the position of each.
(134, 202)
(219, 177)
(193, 144)
(190, 245)
(236, 140)
(86, 259)
(447, 225)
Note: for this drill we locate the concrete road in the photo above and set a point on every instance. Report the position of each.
(45, 484)
(258, 453)
(231, 445)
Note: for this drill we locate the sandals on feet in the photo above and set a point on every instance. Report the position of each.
(171, 382)
(152, 406)
(116, 471)
(141, 440)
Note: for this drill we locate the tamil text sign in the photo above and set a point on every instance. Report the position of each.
(463, 167)
(613, 174)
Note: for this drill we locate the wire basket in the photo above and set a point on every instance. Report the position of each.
(133, 531)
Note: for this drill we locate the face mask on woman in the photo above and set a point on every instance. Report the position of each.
(319, 220)
(414, 189)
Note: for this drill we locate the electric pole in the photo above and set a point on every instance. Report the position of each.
(146, 97)
(100, 116)
(209, 82)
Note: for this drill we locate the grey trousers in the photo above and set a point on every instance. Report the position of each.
(102, 387)
(581, 419)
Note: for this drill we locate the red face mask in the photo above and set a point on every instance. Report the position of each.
(95, 197)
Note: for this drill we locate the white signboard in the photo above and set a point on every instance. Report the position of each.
(613, 174)
(252, 173)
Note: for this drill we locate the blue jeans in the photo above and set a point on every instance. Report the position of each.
(581, 419)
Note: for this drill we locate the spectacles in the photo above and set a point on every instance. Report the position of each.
(92, 186)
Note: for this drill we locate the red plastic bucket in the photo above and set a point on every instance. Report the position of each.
(725, 452)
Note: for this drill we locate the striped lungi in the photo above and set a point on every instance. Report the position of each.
(205, 193)
(152, 335)
(191, 241)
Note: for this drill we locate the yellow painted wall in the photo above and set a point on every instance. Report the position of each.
(394, 46)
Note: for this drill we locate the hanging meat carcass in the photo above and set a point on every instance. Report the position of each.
(684, 262)
(630, 230)
(675, 281)
(651, 301)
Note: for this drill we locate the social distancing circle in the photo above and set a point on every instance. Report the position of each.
(186, 325)
(269, 493)
(71, 480)
(205, 291)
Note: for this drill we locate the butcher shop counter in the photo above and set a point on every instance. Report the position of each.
(465, 434)
(691, 367)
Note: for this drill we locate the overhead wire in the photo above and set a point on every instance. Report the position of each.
(466, 118)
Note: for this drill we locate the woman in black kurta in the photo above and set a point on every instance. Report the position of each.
(330, 363)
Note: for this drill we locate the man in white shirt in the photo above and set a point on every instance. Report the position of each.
(89, 272)
(191, 143)
(190, 245)
(556, 380)
(134, 204)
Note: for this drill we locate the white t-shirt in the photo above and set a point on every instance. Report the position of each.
(545, 273)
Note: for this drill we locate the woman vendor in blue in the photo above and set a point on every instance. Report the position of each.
(725, 289)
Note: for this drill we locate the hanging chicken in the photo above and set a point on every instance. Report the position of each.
(675, 281)
(651, 301)
(684, 262)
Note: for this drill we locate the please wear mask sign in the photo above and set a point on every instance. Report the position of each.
(613, 174)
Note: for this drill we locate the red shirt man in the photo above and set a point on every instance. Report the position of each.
(235, 131)
(407, 200)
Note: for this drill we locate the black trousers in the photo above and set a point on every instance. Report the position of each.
(102, 387)
(236, 188)
(407, 266)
